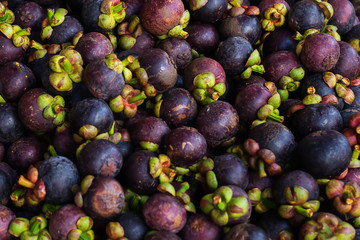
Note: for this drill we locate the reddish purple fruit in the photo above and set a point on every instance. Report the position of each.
(6, 216)
(164, 212)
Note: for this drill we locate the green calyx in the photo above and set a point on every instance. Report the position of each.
(312, 97)
(178, 31)
(341, 86)
(113, 11)
(28, 230)
(296, 196)
(355, 162)
(128, 32)
(197, 4)
(207, 90)
(253, 65)
(114, 230)
(18, 226)
(19, 36)
(42, 50)
(52, 107)
(292, 82)
(54, 18)
(113, 63)
(326, 8)
(274, 17)
(261, 200)
(6, 15)
(222, 206)
(160, 168)
(67, 68)
(83, 230)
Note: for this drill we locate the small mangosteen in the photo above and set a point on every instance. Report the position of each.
(6, 216)
(246, 231)
(11, 127)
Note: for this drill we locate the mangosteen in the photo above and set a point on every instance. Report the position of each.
(205, 78)
(275, 226)
(162, 235)
(348, 63)
(218, 122)
(279, 40)
(233, 54)
(93, 46)
(158, 17)
(230, 170)
(203, 37)
(104, 78)
(149, 133)
(102, 16)
(64, 142)
(90, 117)
(344, 15)
(104, 189)
(185, 146)
(305, 15)
(23, 153)
(11, 127)
(136, 172)
(134, 226)
(29, 14)
(315, 117)
(6, 217)
(100, 158)
(179, 51)
(246, 231)
(245, 26)
(320, 52)
(159, 68)
(324, 153)
(177, 107)
(7, 179)
(15, 79)
(164, 212)
(198, 226)
(208, 11)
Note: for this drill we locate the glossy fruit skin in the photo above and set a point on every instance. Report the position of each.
(179, 51)
(104, 189)
(344, 15)
(315, 117)
(279, 64)
(59, 175)
(94, 112)
(64, 143)
(323, 153)
(217, 122)
(149, 129)
(320, 52)
(160, 16)
(348, 63)
(64, 220)
(279, 40)
(211, 12)
(201, 65)
(178, 108)
(65, 31)
(93, 46)
(233, 53)
(15, 79)
(292, 179)
(134, 226)
(90, 13)
(275, 137)
(248, 101)
(29, 14)
(103, 82)
(164, 212)
(245, 26)
(230, 170)
(7, 180)
(30, 114)
(100, 158)
(199, 226)
(144, 42)
(160, 69)
(6, 216)
(136, 173)
(11, 127)
(246, 231)
(255, 181)
(24, 152)
(203, 37)
(185, 146)
(304, 15)
(9, 52)
(273, 224)
(132, 7)
(162, 235)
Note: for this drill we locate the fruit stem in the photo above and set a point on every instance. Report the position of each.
(139, 97)
(25, 182)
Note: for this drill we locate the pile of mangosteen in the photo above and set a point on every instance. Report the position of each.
(179, 119)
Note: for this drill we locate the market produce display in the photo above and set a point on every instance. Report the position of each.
(179, 119)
